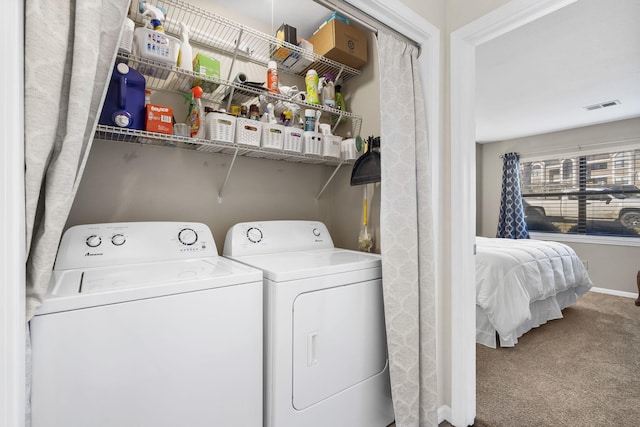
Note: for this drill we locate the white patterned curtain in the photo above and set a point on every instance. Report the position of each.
(511, 221)
(70, 47)
(406, 236)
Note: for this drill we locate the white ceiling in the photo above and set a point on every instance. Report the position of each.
(538, 78)
(305, 15)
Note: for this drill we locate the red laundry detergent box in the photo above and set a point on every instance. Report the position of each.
(159, 119)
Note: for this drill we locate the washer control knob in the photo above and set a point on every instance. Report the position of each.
(118, 239)
(187, 236)
(93, 241)
(316, 232)
(254, 235)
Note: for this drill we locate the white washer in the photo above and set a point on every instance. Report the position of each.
(325, 342)
(145, 325)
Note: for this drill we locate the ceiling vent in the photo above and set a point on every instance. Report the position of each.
(601, 105)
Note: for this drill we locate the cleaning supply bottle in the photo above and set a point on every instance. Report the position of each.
(340, 105)
(195, 118)
(311, 81)
(328, 90)
(272, 77)
(156, 16)
(185, 56)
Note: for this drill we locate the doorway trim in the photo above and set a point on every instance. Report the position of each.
(12, 223)
(464, 41)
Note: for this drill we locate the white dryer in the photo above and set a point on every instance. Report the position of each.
(145, 325)
(325, 342)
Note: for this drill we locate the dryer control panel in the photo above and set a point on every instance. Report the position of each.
(254, 238)
(95, 245)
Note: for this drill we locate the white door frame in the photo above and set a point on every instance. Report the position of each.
(464, 41)
(12, 223)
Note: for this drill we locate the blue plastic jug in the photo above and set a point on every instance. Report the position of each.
(124, 104)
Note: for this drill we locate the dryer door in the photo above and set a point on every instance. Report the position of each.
(339, 340)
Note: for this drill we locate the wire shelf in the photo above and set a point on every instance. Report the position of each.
(111, 133)
(218, 91)
(231, 38)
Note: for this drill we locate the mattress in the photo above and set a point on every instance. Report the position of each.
(522, 284)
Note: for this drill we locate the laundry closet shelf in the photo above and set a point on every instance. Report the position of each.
(217, 91)
(111, 133)
(220, 34)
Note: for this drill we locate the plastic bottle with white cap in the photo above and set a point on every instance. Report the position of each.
(311, 81)
(272, 77)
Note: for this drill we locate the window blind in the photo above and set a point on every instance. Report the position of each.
(584, 194)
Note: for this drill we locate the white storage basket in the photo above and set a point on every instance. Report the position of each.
(220, 127)
(157, 47)
(292, 140)
(312, 143)
(248, 131)
(331, 146)
(348, 149)
(272, 136)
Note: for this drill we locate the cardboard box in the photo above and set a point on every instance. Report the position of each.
(341, 42)
(285, 33)
(159, 119)
(207, 66)
(297, 62)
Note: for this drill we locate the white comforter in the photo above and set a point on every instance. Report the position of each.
(521, 284)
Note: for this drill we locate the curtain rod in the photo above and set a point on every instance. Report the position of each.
(365, 20)
(619, 143)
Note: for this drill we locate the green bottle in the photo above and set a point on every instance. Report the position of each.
(340, 105)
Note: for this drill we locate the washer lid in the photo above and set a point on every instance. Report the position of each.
(82, 288)
(285, 266)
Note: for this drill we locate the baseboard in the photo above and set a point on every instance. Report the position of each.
(614, 292)
(444, 414)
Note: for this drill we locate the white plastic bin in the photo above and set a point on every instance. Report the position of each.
(292, 139)
(312, 143)
(157, 47)
(272, 136)
(248, 132)
(220, 127)
(331, 146)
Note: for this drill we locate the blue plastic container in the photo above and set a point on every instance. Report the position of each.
(124, 104)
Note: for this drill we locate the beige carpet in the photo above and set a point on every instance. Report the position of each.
(583, 370)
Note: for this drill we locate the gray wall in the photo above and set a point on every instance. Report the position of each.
(610, 266)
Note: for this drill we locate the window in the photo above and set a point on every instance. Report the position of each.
(567, 169)
(590, 195)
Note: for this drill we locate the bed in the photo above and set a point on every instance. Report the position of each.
(522, 284)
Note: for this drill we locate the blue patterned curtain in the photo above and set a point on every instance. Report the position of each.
(511, 222)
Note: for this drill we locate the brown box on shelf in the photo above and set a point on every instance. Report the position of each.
(159, 119)
(288, 34)
(341, 42)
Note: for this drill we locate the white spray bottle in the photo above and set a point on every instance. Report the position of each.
(155, 15)
(185, 56)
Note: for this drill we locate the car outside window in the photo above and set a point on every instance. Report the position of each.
(592, 195)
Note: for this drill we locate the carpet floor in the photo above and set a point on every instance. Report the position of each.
(583, 370)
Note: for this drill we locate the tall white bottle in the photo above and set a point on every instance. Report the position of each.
(186, 53)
